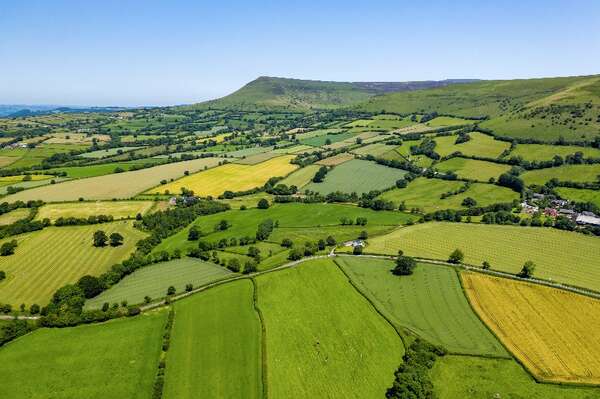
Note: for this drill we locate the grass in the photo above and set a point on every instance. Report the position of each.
(107, 152)
(456, 377)
(377, 149)
(425, 194)
(318, 141)
(257, 158)
(480, 145)
(357, 176)
(117, 359)
(30, 184)
(13, 216)
(447, 121)
(323, 339)
(550, 331)
(231, 177)
(472, 169)
(28, 157)
(78, 172)
(120, 185)
(430, 303)
(579, 195)
(216, 345)
(562, 256)
(117, 209)
(48, 259)
(576, 173)
(301, 177)
(545, 152)
(336, 159)
(154, 280)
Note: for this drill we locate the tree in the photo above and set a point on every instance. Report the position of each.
(105, 306)
(287, 243)
(456, 256)
(253, 252)
(171, 291)
(404, 266)
(234, 265)
(116, 239)
(321, 244)
(100, 238)
(147, 299)
(2, 275)
(8, 248)
(34, 309)
(249, 267)
(189, 287)
(363, 235)
(401, 183)
(193, 233)
(296, 254)
(263, 204)
(527, 270)
(331, 241)
(357, 250)
(469, 202)
(486, 265)
(90, 285)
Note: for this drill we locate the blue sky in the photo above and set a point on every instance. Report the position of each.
(172, 52)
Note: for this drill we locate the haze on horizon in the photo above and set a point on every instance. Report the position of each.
(127, 53)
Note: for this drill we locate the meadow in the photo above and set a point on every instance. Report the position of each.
(357, 176)
(472, 169)
(257, 158)
(28, 157)
(79, 172)
(429, 303)
(48, 259)
(107, 152)
(320, 330)
(120, 185)
(216, 345)
(301, 177)
(566, 257)
(336, 159)
(116, 209)
(376, 149)
(231, 177)
(447, 121)
(575, 173)
(552, 332)
(30, 184)
(117, 359)
(13, 216)
(480, 145)
(545, 152)
(579, 195)
(322, 139)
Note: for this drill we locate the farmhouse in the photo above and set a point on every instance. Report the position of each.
(354, 243)
(588, 218)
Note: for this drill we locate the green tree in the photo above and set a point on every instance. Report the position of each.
(404, 266)
(456, 256)
(171, 290)
(90, 285)
(263, 204)
(363, 235)
(357, 250)
(116, 239)
(233, 264)
(8, 248)
(193, 233)
(331, 241)
(486, 265)
(100, 238)
(287, 243)
(527, 270)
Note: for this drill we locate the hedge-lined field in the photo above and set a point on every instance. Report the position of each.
(579, 195)
(480, 145)
(576, 173)
(472, 169)
(154, 280)
(117, 359)
(301, 177)
(545, 152)
(552, 332)
(323, 339)
(430, 303)
(80, 172)
(48, 259)
(117, 209)
(13, 216)
(215, 347)
(336, 159)
(230, 177)
(562, 256)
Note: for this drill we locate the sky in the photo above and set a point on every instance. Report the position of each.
(150, 52)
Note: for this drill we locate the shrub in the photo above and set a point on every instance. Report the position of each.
(357, 250)
(404, 266)
(263, 204)
(456, 256)
(527, 270)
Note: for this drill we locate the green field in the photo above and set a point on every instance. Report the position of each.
(579, 195)
(424, 194)
(301, 177)
(575, 173)
(216, 345)
(545, 152)
(28, 157)
(357, 176)
(562, 256)
(153, 281)
(457, 377)
(318, 141)
(117, 359)
(480, 145)
(117, 209)
(31, 184)
(430, 303)
(377, 149)
(13, 216)
(472, 169)
(323, 339)
(78, 172)
(107, 152)
(447, 121)
(48, 259)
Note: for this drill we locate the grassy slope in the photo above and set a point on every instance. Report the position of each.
(544, 152)
(578, 195)
(321, 336)
(473, 169)
(562, 256)
(301, 177)
(480, 145)
(117, 209)
(216, 345)
(117, 359)
(577, 173)
(430, 303)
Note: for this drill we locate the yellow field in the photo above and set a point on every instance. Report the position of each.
(554, 333)
(118, 209)
(219, 138)
(19, 178)
(13, 216)
(232, 177)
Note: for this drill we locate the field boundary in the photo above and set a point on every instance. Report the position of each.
(263, 340)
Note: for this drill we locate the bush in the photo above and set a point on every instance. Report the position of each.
(456, 256)
(404, 266)
(189, 287)
(8, 248)
(527, 270)
(331, 241)
(263, 204)
(357, 250)
(287, 243)
(171, 290)
(234, 265)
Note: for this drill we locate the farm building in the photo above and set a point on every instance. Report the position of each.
(354, 243)
(588, 218)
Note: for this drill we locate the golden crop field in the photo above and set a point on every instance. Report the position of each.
(232, 177)
(554, 333)
(118, 209)
(119, 185)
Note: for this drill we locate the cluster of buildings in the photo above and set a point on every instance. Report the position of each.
(560, 208)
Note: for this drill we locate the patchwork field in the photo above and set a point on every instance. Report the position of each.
(117, 209)
(117, 359)
(576, 173)
(430, 303)
(562, 256)
(48, 259)
(301, 177)
(231, 177)
(579, 195)
(78, 172)
(472, 169)
(545, 152)
(552, 332)
(357, 176)
(480, 144)
(257, 158)
(153, 281)
(447, 121)
(319, 336)
(13, 216)
(322, 139)
(28, 157)
(107, 152)
(377, 149)
(336, 159)
(216, 345)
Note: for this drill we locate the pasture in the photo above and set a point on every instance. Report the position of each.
(216, 345)
(480, 145)
(441, 121)
(257, 158)
(579, 195)
(230, 177)
(323, 139)
(48, 259)
(78, 172)
(561, 256)
(28, 157)
(545, 152)
(117, 209)
(108, 152)
(153, 281)
(120, 185)
(376, 149)
(429, 303)
(320, 336)
(357, 176)
(472, 169)
(301, 177)
(13, 216)
(30, 184)
(552, 332)
(336, 159)
(575, 173)
(117, 359)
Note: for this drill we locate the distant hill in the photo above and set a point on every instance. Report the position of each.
(37, 110)
(296, 94)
